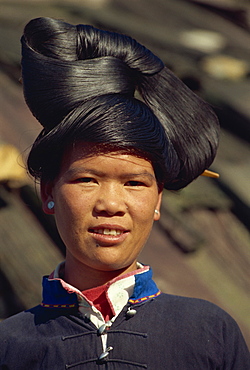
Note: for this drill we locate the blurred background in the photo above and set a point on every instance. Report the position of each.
(201, 245)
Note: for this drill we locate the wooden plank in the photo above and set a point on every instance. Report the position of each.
(26, 252)
(233, 164)
(18, 126)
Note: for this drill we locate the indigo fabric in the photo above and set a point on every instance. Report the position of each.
(165, 332)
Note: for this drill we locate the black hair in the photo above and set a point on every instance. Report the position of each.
(80, 83)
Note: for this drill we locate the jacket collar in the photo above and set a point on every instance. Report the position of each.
(138, 286)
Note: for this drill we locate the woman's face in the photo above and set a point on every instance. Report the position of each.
(104, 207)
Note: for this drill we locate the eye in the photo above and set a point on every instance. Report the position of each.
(135, 183)
(85, 180)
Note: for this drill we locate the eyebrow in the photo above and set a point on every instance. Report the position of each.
(75, 171)
(140, 174)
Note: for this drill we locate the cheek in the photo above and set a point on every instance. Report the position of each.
(68, 207)
(70, 197)
(144, 207)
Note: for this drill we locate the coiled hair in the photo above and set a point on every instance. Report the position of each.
(79, 82)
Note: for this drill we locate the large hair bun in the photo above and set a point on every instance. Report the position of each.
(87, 62)
(66, 67)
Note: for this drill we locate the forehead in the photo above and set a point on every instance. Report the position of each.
(92, 154)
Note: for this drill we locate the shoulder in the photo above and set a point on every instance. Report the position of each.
(12, 331)
(197, 317)
(190, 307)
(199, 325)
(12, 321)
(27, 321)
(200, 319)
(18, 323)
(33, 326)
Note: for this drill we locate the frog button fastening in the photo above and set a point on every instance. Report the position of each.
(131, 312)
(104, 327)
(103, 356)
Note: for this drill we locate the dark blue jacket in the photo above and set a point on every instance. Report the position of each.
(166, 332)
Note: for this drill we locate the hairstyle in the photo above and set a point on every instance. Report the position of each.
(80, 83)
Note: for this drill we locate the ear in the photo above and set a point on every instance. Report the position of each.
(46, 196)
(157, 214)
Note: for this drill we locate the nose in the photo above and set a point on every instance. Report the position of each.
(110, 201)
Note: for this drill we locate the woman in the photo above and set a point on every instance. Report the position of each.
(103, 159)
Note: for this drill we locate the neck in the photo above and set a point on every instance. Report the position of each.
(84, 277)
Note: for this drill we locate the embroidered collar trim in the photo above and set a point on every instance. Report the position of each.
(137, 286)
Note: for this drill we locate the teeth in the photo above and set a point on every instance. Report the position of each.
(112, 232)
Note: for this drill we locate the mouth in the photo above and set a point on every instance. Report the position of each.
(112, 232)
(104, 235)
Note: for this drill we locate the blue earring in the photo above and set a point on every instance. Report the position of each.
(51, 204)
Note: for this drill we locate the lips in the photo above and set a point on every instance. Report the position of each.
(108, 234)
(113, 232)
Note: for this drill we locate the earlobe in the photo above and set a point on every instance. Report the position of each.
(157, 213)
(47, 198)
(48, 207)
